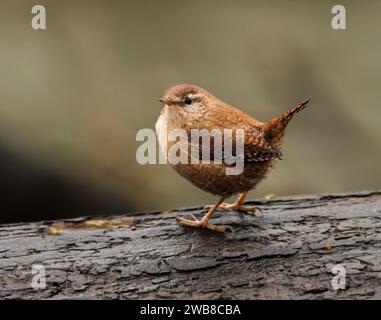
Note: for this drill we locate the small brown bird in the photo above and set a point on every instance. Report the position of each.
(188, 107)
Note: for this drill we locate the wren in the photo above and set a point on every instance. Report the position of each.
(188, 107)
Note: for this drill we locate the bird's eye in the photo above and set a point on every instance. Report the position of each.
(188, 101)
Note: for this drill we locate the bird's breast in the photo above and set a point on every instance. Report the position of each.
(161, 131)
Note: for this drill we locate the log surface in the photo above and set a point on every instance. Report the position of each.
(285, 253)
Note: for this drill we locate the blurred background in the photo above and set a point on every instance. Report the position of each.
(72, 97)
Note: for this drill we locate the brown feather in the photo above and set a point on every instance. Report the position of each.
(274, 129)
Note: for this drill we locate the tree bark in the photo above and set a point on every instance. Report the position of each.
(286, 252)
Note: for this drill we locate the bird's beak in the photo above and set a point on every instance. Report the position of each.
(166, 100)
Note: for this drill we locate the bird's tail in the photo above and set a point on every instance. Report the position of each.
(274, 129)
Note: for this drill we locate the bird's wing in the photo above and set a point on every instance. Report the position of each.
(254, 147)
(257, 148)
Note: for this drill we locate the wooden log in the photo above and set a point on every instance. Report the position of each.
(287, 252)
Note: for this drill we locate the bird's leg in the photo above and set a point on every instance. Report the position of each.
(238, 205)
(204, 222)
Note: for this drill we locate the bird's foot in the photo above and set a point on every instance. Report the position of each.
(203, 223)
(238, 207)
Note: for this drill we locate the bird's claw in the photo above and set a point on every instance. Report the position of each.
(195, 223)
(249, 209)
(233, 206)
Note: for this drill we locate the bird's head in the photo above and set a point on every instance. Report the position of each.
(186, 98)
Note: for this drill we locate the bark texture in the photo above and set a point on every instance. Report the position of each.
(287, 252)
